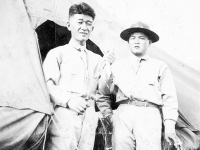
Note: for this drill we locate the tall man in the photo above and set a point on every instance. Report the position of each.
(71, 72)
(142, 85)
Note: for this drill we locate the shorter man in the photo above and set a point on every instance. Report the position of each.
(142, 85)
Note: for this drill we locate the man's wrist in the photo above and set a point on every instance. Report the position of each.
(61, 104)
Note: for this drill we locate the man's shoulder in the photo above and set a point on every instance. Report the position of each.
(57, 51)
(120, 62)
(60, 48)
(120, 65)
(157, 62)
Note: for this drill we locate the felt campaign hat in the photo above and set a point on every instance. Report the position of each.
(139, 27)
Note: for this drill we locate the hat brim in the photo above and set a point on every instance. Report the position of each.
(125, 35)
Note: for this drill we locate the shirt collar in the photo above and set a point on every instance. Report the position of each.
(76, 45)
(135, 58)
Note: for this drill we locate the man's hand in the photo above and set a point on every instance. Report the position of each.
(175, 139)
(109, 56)
(78, 104)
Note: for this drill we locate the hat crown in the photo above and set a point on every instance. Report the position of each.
(139, 24)
(142, 28)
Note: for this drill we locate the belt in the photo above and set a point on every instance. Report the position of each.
(139, 103)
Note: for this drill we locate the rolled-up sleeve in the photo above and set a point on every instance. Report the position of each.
(106, 80)
(51, 68)
(103, 99)
(170, 107)
(104, 104)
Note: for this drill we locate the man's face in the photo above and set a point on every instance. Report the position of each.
(81, 27)
(139, 43)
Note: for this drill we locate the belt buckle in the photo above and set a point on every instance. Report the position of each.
(138, 103)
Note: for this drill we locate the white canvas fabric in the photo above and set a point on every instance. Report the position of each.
(24, 100)
(22, 81)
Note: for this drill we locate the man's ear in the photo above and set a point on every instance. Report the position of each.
(92, 28)
(150, 42)
(68, 26)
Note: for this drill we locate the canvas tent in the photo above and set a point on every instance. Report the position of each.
(23, 90)
(106, 36)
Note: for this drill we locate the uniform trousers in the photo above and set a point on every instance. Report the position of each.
(136, 128)
(80, 128)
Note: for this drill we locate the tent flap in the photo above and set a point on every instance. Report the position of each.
(22, 81)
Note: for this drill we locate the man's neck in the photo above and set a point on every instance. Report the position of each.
(145, 56)
(82, 43)
(76, 44)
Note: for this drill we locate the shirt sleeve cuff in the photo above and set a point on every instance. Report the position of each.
(169, 126)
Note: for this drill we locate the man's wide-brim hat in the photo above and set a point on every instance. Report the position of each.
(139, 27)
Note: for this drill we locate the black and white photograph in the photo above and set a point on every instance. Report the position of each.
(99, 75)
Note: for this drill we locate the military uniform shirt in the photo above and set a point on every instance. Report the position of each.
(144, 79)
(69, 73)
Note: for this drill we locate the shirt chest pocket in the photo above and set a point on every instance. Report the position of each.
(153, 84)
(71, 69)
(74, 69)
(71, 75)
